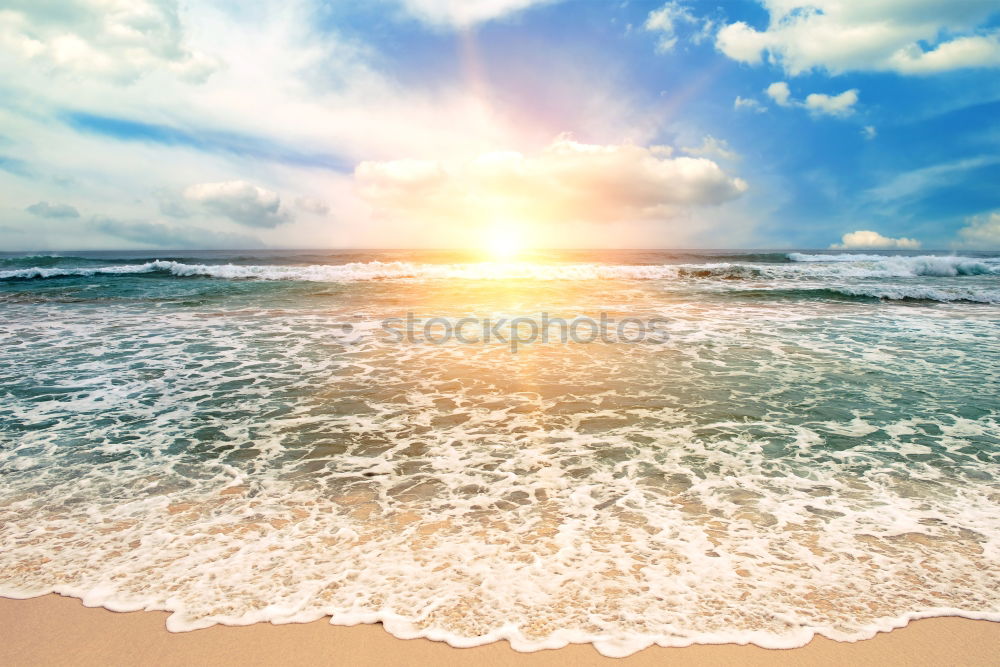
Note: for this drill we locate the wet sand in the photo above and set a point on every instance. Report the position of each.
(54, 630)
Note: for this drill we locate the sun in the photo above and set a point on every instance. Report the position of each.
(503, 242)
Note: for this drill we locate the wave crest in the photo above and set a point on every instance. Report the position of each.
(362, 271)
(922, 265)
(804, 267)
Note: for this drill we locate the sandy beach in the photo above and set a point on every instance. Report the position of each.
(54, 630)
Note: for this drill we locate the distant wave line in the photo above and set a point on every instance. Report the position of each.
(872, 267)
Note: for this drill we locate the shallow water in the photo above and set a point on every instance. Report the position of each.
(812, 448)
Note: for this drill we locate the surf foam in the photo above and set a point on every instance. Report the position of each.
(770, 474)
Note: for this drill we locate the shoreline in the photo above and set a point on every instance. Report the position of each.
(52, 629)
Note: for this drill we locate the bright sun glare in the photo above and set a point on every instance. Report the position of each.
(503, 242)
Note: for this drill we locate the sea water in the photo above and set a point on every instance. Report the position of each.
(235, 437)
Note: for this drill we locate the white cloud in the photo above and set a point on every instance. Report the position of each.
(666, 21)
(879, 35)
(43, 209)
(712, 147)
(816, 103)
(464, 13)
(981, 231)
(869, 132)
(779, 92)
(832, 105)
(748, 104)
(873, 240)
(973, 51)
(741, 42)
(239, 201)
(566, 182)
(116, 39)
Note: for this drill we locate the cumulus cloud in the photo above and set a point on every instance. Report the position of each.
(712, 147)
(840, 36)
(170, 236)
(43, 209)
(239, 201)
(780, 93)
(982, 231)
(464, 13)
(748, 104)
(973, 51)
(116, 39)
(832, 105)
(869, 132)
(873, 240)
(567, 181)
(817, 103)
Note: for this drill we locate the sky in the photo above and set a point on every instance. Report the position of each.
(131, 124)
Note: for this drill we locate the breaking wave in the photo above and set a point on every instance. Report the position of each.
(357, 271)
(919, 293)
(923, 265)
(843, 266)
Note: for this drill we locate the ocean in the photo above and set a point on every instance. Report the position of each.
(773, 445)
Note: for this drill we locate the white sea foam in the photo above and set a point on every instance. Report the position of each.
(59, 272)
(768, 474)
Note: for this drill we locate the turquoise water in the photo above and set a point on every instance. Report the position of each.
(812, 449)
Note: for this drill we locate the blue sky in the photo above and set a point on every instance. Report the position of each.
(438, 123)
